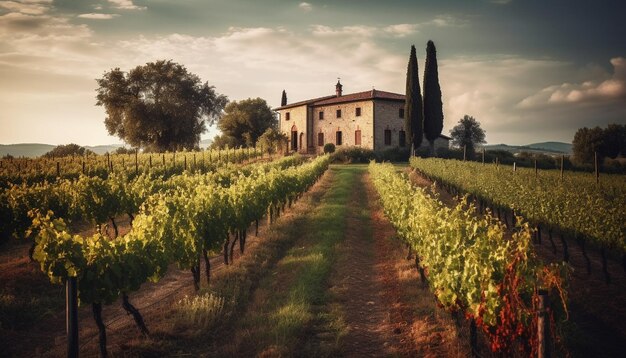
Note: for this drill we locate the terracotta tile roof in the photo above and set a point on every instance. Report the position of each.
(353, 97)
(360, 96)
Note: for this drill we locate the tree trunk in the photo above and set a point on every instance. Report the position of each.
(136, 315)
(97, 315)
(207, 266)
(116, 232)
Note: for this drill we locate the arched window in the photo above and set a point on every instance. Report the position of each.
(338, 138)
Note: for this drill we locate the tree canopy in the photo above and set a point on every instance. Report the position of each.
(273, 140)
(159, 106)
(244, 122)
(433, 106)
(609, 142)
(65, 150)
(413, 108)
(467, 133)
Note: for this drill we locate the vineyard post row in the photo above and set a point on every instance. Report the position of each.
(472, 267)
(180, 227)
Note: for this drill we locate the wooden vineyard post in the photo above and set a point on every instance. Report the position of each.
(108, 161)
(595, 163)
(194, 161)
(150, 161)
(83, 167)
(542, 335)
(464, 152)
(514, 167)
(71, 316)
(536, 172)
(163, 160)
(136, 161)
(483, 155)
(58, 169)
(185, 163)
(562, 160)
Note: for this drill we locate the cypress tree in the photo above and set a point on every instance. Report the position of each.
(433, 107)
(283, 100)
(413, 110)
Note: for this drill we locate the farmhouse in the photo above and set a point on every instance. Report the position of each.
(371, 119)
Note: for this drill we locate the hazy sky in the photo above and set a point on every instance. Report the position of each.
(528, 70)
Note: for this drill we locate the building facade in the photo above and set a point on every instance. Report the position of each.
(371, 119)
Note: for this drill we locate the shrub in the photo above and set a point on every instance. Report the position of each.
(353, 155)
(329, 148)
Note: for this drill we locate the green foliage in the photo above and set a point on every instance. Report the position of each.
(329, 148)
(353, 155)
(609, 142)
(245, 121)
(467, 134)
(65, 150)
(159, 106)
(413, 106)
(433, 107)
(472, 266)
(272, 141)
(124, 150)
(543, 199)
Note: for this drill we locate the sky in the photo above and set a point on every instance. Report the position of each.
(528, 70)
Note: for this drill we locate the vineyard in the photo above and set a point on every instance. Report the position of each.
(113, 228)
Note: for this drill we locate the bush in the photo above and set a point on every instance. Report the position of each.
(393, 155)
(67, 150)
(329, 148)
(353, 155)
(124, 150)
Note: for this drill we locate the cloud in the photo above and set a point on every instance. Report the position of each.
(125, 5)
(96, 16)
(305, 6)
(594, 91)
(447, 21)
(401, 30)
(24, 7)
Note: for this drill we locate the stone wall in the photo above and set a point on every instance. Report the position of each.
(387, 117)
(348, 124)
(297, 118)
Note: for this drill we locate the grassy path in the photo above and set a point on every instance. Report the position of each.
(343, 289)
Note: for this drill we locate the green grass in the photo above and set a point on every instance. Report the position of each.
(298, 287)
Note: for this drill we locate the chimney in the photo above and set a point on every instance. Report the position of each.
(338, 87)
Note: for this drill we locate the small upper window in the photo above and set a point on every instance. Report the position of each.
(358, 111)
(287, 116)
(401, 113)
(338, 113)
(321, 115)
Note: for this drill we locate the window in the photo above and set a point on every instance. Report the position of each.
(401, 113)
(358, 111)
(387, 137)
(321, 115)
(357, 137)
(338, 138)
(320, 139)
(287, 116)
(402, 138)
(338, 113)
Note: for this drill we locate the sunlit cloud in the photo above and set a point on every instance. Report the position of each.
(96, 16)
(612, 88)
(125, 5)
(29, 8)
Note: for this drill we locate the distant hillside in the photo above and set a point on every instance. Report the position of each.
(543, 147)
(37, 149)
(25, 149)
(205, 143)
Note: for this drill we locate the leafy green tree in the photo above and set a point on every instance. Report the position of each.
(246, 120)
(413, 109)
(466, 134)
(433, 107)
(609, 142)
(273, 140)
(159, 106)
(65, 150)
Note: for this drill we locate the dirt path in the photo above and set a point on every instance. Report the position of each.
(597, 312)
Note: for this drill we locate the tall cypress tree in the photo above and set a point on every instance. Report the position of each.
(413, 110)
(433, 107)
(283, 99)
